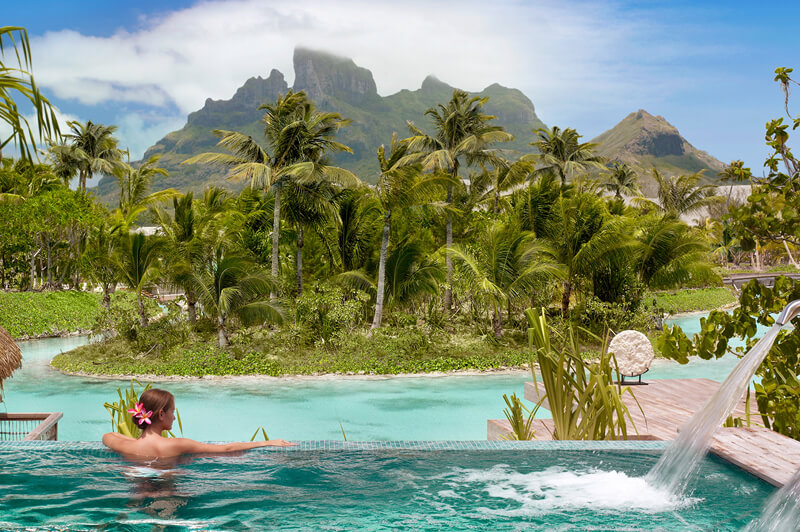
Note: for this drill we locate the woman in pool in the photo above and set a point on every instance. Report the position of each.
(154, 413)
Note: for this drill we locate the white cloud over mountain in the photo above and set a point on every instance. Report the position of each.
(568, 57)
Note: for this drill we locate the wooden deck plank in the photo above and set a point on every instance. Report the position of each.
(669, 403)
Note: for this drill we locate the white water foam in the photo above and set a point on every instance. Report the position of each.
(555, 489)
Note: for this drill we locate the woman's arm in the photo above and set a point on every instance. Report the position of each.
(186, 445)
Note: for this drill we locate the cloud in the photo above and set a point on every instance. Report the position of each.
(584, 64)
(574, 51)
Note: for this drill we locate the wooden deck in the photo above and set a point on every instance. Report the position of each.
(668, 404)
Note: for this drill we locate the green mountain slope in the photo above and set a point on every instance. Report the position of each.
(645, 141)
(335, 84)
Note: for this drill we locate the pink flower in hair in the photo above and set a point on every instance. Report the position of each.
(137, 410)
(144, 417)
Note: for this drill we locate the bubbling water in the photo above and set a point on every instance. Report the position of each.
(681, 458)
(557, 489)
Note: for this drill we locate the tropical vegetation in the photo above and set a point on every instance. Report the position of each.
(308, 269)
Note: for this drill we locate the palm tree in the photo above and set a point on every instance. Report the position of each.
(299, 137)
(400, 186)
(463, 134)
(534, 205)
(581, 235)
(134, 186)
(505, 264)
(233, 285)
(182, 234)
(308, 205)
(100, 259)
(92, 148)
(562, 154)
(506, 176)
(411, 272)
(139, 265)
(16, 79)
(669, 252)
(357, 224)
(683, 194)
(622, 179)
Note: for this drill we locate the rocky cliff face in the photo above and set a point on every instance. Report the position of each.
(335, 84)
(247, 99)
(325, 77)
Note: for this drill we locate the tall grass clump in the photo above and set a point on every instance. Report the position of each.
(585, 402)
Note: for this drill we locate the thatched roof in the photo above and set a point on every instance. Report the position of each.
(10, 356)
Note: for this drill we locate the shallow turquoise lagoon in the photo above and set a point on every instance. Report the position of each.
(347, 488)
(377, 408)
(398, 408)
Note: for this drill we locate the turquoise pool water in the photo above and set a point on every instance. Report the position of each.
(347, 488)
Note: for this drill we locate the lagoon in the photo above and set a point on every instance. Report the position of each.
(451, 407)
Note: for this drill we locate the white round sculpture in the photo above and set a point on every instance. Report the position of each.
(634, 352)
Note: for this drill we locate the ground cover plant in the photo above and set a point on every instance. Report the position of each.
(285, 352)
(31, 314)
(692, 300)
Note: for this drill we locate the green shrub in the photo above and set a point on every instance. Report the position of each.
(599, 316)
(327, 310)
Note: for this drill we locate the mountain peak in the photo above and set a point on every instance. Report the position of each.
(646, 141)
(431, 84)
(323, 75)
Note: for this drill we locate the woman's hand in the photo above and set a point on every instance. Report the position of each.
(280, 443)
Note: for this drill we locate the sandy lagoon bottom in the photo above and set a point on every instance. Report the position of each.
(372, 486)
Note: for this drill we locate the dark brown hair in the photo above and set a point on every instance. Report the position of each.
(155, 400)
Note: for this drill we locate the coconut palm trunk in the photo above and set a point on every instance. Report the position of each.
(789, 253)
(191, 308)
(142, 314)
(221, 331)
(378, 318)
(497, 323)
(276, 225)
(565, 299)
(299, 260)
(448, 293)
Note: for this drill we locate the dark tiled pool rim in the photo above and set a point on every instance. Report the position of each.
(336, 445)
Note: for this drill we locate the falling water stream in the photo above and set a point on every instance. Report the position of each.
(782, 510)
(681, 458)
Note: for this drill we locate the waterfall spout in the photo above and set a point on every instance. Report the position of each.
(680, 459)
(789, 312)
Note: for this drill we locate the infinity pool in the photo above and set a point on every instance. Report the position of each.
(369, 486)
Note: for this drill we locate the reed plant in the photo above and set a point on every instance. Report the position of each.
(583, 397)
(520, 426)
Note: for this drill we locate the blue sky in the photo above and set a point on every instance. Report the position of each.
(705, 66)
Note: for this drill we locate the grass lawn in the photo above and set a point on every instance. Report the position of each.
(674, 301)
